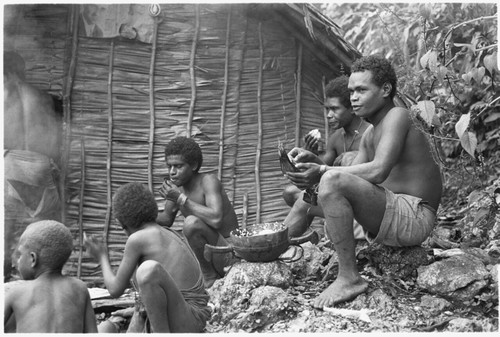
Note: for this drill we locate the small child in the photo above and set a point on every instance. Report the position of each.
(47, 301)
(167, 273)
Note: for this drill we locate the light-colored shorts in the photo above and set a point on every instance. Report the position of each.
(407, 221)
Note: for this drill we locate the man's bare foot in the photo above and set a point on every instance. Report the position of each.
(340, 290)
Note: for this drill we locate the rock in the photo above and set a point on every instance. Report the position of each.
(493, 250)
(434, 304)
(399, 262)
(479, 253)
(459, 277)
(311, 263)
(231, 295)
(377, 300)
(267, 305)
(495, 271)
(469, 325)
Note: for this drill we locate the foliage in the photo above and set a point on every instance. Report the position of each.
(446, 59)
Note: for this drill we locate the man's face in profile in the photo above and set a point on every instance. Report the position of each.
(91, 13)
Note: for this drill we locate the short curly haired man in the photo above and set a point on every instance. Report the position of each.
(209, 216)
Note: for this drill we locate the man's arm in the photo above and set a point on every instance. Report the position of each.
(331, 153)
(392, 134)
(116, 284)
(212, 212)
(167, 217)
(387, 151)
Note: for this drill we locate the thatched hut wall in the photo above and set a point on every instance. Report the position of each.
(232, 74)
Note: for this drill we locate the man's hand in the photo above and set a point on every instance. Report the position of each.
(300, 155)
(311, 143)
(94, 246)
(308, 177)
(169, 191)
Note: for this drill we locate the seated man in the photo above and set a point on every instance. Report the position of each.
(340, 151)
(167, 273)
(208, 214)
(393, 188)
(47, 301)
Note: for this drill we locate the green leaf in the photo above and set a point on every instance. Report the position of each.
(469, 142)
(467, 77)
(493, 117)
(427, 111)
(462, 125)
(478, 74)
(490, 62)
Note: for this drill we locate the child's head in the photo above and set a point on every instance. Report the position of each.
(338, 88)
(381, 69)
(50, 241)
(187, 148)
(134, 205)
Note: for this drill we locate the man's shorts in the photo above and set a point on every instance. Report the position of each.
(407, 221)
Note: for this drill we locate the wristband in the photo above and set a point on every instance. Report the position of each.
(322, 169)
(181, 200)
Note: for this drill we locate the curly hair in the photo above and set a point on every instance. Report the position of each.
(338, 88)
(134, 204)
(51, 241)
(382, 70)
(187, 148)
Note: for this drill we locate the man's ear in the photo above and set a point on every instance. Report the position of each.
(387, 88)
(34, 259)
(195, 167)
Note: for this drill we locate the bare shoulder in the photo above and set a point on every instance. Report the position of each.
(17, 287)
(210, 180)
(78, 284)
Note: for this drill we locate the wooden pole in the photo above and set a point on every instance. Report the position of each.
(151, 141)
(110, 142)
(244, 220)
(80, 207)
(325, 112)
(259, 123)
(237, 91)
(68, 87)
(192, 72)
(298, 91)
(224, 97)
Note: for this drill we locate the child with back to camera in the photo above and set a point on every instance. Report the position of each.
(47, 301)
(165, 269)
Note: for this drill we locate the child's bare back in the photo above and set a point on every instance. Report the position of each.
(51, 303)
(47, 301)
(165, 246)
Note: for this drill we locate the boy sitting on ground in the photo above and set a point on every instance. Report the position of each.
(47, 301)
(167, 273)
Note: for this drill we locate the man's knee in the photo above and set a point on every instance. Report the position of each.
(192, 225)
(148, 271)
(332, 183)
(290, 194)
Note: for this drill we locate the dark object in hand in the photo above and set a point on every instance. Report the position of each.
(285, 162)
(311, 195)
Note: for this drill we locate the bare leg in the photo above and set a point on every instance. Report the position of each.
(299, 219)
(290, 194)
(342, 196)
(198, 235)
(166, 308)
